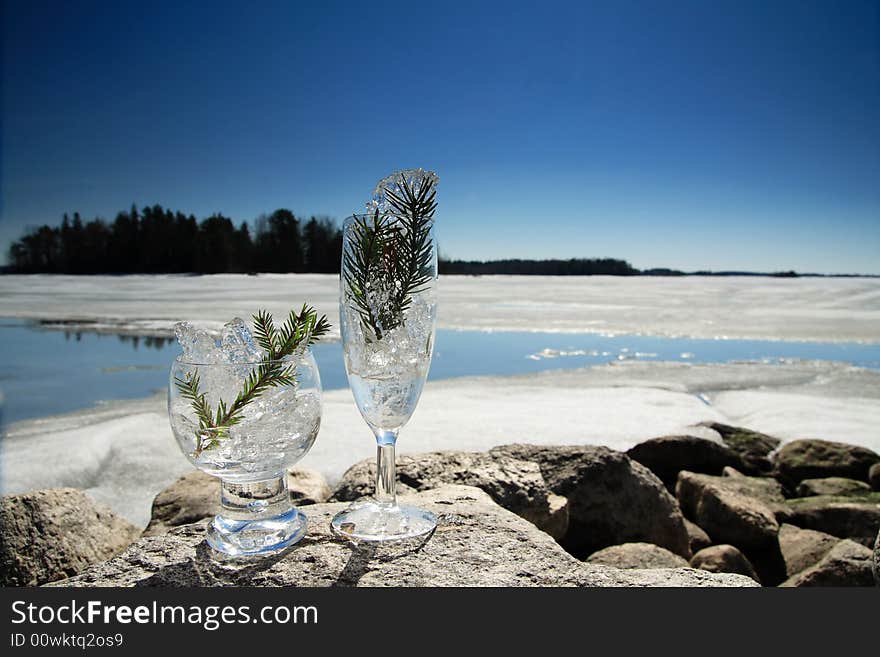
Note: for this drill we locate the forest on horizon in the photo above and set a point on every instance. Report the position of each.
(156, 240)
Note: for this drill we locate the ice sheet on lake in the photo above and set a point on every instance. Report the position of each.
(123, 453)
(824, 309)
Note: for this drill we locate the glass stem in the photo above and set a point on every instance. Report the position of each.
(386, 474)
(254, 500)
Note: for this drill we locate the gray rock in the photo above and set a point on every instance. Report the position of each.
(637, 555)
(752, 447)
(697, 538)
(557, 520)
(846, 564)
(831, 486)
(611, 498)
(191, 498)
(814, 459)
(52, 534)
(196, 495)
(855, 516)
(515, 484)
(874, 476)
(721, 507)
(802, 548)
(668, 455)
(725, 510)
(307, 486)
(877, 559)
(477, 543)
(724, 559)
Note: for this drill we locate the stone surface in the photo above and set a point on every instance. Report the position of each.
(814, 459)
(802, 548)
(611, 498)
(637, 555)
(725, 510)
(668, 455)
(556, 523)
(52, 534)
(853, 517)
(877, 559)
(477, 543)
(831, 486)
(515, 484)
(724, 559)
(307, 486)
(726, 513)
(752, 447)
(196, 495)
(847, 564)
(874, 476)
(697, 538)
(191, 498)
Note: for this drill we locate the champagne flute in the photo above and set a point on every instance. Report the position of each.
(388, 312)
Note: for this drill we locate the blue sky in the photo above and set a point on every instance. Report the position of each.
(694, 135)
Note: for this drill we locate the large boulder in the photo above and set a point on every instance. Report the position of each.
(191, 498)
(196, 495)
(847, 564)
(874, 476)
(726, 513)
(515, 484)
(856, 517)
(724, 559)
(802, 548)
(752, 447)
(52, 534)
(815, 459)
(877, 559)
(637, 555)
(697, 538)
(611, 498)
(668, 455)
(477, 543)
(725, 510)
(307, 486)
(831, 486)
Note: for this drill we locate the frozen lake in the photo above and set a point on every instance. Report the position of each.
(543, 360)
(47, 372)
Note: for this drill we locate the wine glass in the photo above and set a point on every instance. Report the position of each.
(387, 315)
(250, 455)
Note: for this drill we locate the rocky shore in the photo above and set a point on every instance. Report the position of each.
(742, 510)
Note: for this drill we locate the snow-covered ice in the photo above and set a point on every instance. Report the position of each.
(820, 309)
(123, 453)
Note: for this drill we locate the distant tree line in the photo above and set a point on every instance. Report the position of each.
(157, 240)
(572, 267)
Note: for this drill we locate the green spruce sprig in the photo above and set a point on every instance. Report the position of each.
(303, 328)
(391, 256)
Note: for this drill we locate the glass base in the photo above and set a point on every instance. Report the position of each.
(371, 521)
(262, 536)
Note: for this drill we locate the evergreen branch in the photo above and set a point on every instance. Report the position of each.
(391, 260)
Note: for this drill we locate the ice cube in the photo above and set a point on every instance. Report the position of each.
(237, 343)
(199, 345)
(415, 178)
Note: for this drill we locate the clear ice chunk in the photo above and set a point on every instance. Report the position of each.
(415, 178)
(234, 344)
(199, 345)
(237, 343)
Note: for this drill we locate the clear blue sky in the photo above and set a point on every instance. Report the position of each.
(704, 134)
